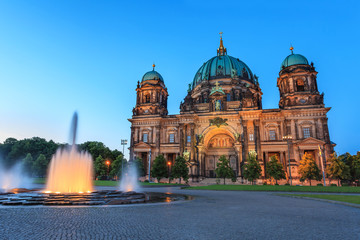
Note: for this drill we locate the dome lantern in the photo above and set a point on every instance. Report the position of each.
(221, 50)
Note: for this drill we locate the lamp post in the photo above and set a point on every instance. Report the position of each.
(149, 163)
(169, 169)
(288, 138)
(108, 167)
(123, 143)
(322, 165)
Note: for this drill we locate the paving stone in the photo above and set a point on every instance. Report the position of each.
(211, 215)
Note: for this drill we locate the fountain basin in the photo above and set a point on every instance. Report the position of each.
(103, 197)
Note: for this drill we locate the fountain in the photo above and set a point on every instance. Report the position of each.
(70, 171)
(13, 178)
(130, 180)
(69, 182)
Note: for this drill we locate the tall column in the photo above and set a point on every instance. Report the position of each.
(257, 139)
(245, 148)
(201, 160)
(138, 135)
(298, 130)
(313, 129)
(240, 160)
(266, 160)
(320, 129)
(181, 138)
(193, 140)
(132, 143)
(281, 130)
(293, 131)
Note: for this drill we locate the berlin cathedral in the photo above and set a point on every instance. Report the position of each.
(222, 114)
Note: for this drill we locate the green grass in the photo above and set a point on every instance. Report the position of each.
(340, 198)
(110, 183)
(273, 188)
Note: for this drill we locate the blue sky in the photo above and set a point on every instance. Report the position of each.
(57, 57)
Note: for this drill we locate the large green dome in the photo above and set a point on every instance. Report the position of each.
(223, 66)
(294, 59)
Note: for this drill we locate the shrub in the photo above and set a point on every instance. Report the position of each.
(333, 185)
(319, 184)
(146, 181)
(264, 183)
(276, 184)
(287, 184)
(217, 180)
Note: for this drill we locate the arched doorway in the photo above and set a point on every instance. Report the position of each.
(220, 143)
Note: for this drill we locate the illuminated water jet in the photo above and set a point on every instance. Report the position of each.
(13, 177)
(70, 170)
(129, 180)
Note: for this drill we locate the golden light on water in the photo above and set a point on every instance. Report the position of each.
(70, 171)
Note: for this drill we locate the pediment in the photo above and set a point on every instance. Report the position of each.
(310, 141)
(142, 145)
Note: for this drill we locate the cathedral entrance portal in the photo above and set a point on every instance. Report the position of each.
(218, 145)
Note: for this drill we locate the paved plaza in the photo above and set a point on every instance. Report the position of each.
(211, 215)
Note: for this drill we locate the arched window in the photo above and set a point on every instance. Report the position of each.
(300, 85)
(147, 98)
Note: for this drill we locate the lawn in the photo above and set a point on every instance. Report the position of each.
(110, 183)
(273, 188)
(340, 198)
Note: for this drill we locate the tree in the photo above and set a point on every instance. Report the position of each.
(308, 169)
(100, 167)
(337, 169)
(355, 169)
(28, 163)
(140, 166)
(274, 169)
(116, 166)
(98, 148)
(352, 162)
(180, 169)
(159, 169)
(252, 169)
(223, 169)
(40, 166)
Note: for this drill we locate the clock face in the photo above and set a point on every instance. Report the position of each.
(302, 100)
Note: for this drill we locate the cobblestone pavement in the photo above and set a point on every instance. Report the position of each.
(211, 215)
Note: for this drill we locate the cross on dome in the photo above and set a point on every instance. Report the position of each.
(221, 50)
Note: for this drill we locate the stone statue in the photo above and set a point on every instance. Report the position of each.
(217, 105)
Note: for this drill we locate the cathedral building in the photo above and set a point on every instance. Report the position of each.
(222, 114)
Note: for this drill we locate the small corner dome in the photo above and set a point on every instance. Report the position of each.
(294, 59)
(152, 75)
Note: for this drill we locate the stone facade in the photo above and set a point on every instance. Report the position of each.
(222, 115)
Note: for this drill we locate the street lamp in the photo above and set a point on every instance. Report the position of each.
(169, 169)
(288, 138)
(123, 143)
(149, 164)
(108, 167)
